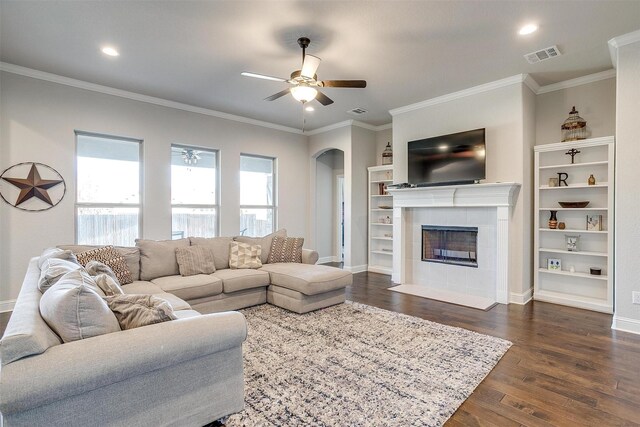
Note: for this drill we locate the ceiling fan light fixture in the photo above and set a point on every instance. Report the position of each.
(304, 93)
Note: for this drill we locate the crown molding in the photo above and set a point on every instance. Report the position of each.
(346, 123)
(623, 40)
(517, 79)
(531, 83)
(54, 78)
(591, 78)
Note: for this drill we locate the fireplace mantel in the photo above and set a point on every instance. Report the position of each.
(500, 196)
(472, 195)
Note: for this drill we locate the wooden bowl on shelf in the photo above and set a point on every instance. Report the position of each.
(574, 204)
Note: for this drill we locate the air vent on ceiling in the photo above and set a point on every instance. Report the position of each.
(543, 54)
(357, 111)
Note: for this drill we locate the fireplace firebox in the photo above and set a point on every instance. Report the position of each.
(450, 245)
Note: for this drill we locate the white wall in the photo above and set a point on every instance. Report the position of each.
(501, 112)
(363, 143)
(627, 238)
(38, 120)
(595, 101)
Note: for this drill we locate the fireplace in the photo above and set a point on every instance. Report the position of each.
(450, 245)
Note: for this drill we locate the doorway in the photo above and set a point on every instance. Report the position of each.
(330, 206)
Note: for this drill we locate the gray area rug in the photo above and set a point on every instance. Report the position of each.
(357, 365)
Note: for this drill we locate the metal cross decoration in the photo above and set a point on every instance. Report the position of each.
(572, 153)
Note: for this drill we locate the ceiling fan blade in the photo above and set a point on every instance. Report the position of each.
(262, 76)
(323, 99)
(344, 83)
(278, 95)
(309, 66)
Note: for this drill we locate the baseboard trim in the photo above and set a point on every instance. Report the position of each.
(7, 305)
(521, 299)
(355, 268)
(626, 324)
(325, 259)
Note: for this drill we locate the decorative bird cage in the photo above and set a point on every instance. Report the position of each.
(574, 128)
(387, 155)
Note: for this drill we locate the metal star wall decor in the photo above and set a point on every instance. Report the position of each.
(33, 187)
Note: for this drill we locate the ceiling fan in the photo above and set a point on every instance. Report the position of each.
(304, 82)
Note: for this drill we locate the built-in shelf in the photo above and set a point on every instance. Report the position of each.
(574, 209)
(574, 274)
(574, 186)
(568, 230)
(564, 251)
(575, 165)
(577, 289)
(382, 252)
(380, 249)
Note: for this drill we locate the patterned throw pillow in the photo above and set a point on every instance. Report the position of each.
(108, 255)
(133, 311)
(194, 260)
(244, 255)
(286, 249)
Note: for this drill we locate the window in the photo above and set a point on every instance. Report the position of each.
(257, 195)
(194, 192)
(108, 192)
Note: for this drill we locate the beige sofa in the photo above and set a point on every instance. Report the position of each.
(184, 372)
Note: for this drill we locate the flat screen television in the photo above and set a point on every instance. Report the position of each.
(458, 158)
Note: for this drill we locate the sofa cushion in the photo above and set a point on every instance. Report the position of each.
(75, 311)
(237, 280)
(134, 311)
(111, 257)
(244, 255)
(27, 333)
(141, 287)
(195, 259)
(219, 246)
(264, 242)
(308, 279)
(285, 249)
(108, 285)
(176, 303)
(190, 287)
(52, 270)
(56, 253)
(185, 314)
(131, 256)
(158, 257)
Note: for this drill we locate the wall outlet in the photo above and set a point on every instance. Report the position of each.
(635, 297)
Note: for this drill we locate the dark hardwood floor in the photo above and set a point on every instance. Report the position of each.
(566, 367)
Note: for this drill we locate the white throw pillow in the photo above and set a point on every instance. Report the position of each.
(75, 311)
(50, 253)
(52, 270)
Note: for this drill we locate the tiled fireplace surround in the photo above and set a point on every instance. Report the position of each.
(486, 206)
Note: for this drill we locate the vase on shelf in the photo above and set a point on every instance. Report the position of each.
(592, 180)
(553, 220)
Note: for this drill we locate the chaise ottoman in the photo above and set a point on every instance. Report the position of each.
(303, 287)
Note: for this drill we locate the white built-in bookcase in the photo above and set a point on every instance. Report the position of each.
(380, 247)
(579, 288)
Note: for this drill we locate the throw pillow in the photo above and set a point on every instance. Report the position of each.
(96, 267)
(52, 270)
(194, 260)
(264, 242)
(286, 249)
(75, 311)
(50, 253)
(108, 284)
(109, 256)
(158, 257)
(133, 311)
(243, 255)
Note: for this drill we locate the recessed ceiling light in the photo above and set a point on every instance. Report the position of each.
(309, 108)
(528, 29)
(108, 50)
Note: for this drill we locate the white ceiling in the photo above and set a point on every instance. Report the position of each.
(408, 51)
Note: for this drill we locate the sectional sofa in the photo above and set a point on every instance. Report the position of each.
(185, 372)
